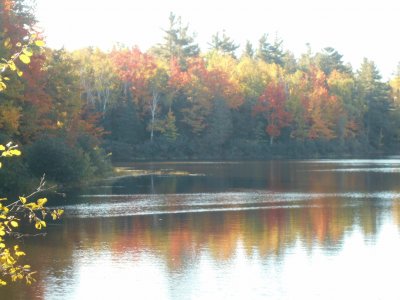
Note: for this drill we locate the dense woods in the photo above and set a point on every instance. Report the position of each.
(72, 110)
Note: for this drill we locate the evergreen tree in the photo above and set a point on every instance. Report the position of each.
(329, 59)
(289, 62)
(223, 44)
(170, 129)
(306, 59)
(178, 42)
(270, 53)
(375, 96)
(276, 52)
(248, 50)
(123, 121)
(263, 49)
(219, 126)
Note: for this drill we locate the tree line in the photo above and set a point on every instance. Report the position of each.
(176, 101)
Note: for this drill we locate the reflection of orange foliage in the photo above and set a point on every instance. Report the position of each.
(396, 211)
(319, 219)
(182, 238)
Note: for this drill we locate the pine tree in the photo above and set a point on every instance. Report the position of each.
(375, 95)
(219, 126)
(178, 42)
(223, 44)
(270, 53)
(329, 60)
(170, 130)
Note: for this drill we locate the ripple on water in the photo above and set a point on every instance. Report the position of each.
(129, 205)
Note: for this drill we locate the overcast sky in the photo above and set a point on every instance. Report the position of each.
(355, 28)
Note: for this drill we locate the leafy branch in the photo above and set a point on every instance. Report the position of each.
(25, 209)
(11, 216)
(24, 54)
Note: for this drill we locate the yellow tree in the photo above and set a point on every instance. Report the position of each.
(248, 75)
(395, 86)
(224, 81)
(314, 109)
(323, 109)
(97, 77)
(297, 87)
(342, 85)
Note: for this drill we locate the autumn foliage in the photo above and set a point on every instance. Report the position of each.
(272, 105)
(174, 101)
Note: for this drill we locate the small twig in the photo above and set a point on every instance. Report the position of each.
(39, 189)
(19, 235)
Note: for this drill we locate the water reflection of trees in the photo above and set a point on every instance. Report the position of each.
(181, 240)
(178, 238)
(396, 211)
(278, 176)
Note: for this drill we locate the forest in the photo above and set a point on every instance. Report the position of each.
(74, 112)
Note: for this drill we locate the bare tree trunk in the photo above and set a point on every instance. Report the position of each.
(126, 89)
(85, 82)
(98, 104)
(106, 97)
(154, 104)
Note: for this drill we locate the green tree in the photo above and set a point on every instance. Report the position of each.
(248, 50)
(375, 96)
(306, 60)
(270, 53)
(219, 127)
(178, 42)
(289, 62)
(167, 127)
(329, 60)
(263, 50)
(223, 44)
(123, 122)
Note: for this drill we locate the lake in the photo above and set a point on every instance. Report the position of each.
(285, 229)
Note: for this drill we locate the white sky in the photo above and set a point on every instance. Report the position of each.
(355, 28)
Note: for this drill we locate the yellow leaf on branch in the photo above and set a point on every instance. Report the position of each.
(25, 58)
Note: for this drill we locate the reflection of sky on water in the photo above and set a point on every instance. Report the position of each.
(378, 170)
(351, 162)
(355, 165)
(358, 270)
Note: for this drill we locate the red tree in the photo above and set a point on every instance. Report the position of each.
(272, 105)
(135, 68)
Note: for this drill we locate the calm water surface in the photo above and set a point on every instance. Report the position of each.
(313, 229)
